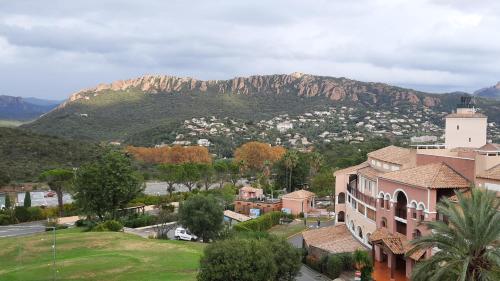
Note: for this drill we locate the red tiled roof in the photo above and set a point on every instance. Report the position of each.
(334, 239)
(392, 154)
(397, 243)
(370, 172)
(492, 173)
(299, 194)
(433, 176)
(352, 169)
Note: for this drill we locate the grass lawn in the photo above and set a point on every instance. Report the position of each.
(98, 256)
(287, 230)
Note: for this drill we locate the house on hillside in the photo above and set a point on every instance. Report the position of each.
(300, 201)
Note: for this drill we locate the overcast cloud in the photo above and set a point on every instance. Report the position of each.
(49, 49)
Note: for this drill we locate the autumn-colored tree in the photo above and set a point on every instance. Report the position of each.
(171, 155)
(255, 156)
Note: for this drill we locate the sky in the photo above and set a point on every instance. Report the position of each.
(50, 49)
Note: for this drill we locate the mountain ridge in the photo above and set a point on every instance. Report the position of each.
(126, 108)
(19, 108)
(492, 92)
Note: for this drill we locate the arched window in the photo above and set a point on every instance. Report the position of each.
(352, 225)
(416, 233)
(383, 222)
(341, 198)
(413, 207)
(368, 238)
(340, 216)
(401, 205)
(360, 232)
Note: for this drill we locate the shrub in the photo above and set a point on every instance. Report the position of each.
(347, 261)
(334, 266)
(113, 225)
(21, 214)
(139, 221)
(35, 214)
(99, 228)
(366, 273)
(313, 262)
(80, 223)
(261, 223)
(5, 219)
(323, 263)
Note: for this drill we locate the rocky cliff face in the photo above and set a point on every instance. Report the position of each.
(304, 85)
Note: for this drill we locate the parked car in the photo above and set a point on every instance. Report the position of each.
(184, 234)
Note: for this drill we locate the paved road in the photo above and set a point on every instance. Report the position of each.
(22, 229)
(307, 274)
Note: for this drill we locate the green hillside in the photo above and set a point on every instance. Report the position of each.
(25, 155)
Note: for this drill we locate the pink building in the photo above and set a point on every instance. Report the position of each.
(382, 200)
(248, 192)
(300, 201)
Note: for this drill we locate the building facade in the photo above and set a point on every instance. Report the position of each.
(383, 200)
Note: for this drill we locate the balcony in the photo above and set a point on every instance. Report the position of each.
(369, 200)
(401, 213)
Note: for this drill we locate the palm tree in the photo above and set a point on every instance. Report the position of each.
(316, 161)
(291, 159)
(468, 246)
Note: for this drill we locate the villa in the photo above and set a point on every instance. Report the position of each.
(383, 200)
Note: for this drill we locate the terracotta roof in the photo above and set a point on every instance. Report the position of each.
(435, 175)
(397, 243)
(466, 115)
(492, 173)
(370, 172)
(334, 239)
(236, 216)
(352, 169)
(250, 189)
(392, 154)
(490, 147)
(299, 194)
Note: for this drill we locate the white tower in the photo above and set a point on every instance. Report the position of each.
(466, 127)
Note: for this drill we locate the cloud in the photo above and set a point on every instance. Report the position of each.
(433, 45)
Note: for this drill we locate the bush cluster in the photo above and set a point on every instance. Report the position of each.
(261, 223)
(109, 225)
(138, 220)
(26, 214)
(332, 265)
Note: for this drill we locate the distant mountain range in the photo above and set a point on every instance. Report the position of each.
(24, 109)
(492, 92)
(137, 107)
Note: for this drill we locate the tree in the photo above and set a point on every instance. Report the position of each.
(206, 174)
(237, 260)
(253, 155)
(59, 180)
(190, 175)
(468, 244)
(316, 161)
(107, 184)
(4, 179)
(27, 199)
(323, 183)
(290, 159)
(8, 204)
(297, 178)
(286, 257)
(221, 168)
(171, 174)
(363, 263)
(202, 215)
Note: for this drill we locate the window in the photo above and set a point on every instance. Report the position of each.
(470, 139)
(341, 198)
(458, 127)
(371, 214)
(413, 214)
(382, 201)
(383, 222)
(422, 216)
(416, 233)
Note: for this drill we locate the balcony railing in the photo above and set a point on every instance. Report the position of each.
(351, 188)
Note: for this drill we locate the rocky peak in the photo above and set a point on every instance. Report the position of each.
(296, 83)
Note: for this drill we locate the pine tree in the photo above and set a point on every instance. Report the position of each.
(27, 199)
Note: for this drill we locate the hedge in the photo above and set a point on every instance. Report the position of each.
(261, 223)
(332, 265)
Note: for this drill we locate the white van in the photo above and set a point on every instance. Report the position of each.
(184, 234)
